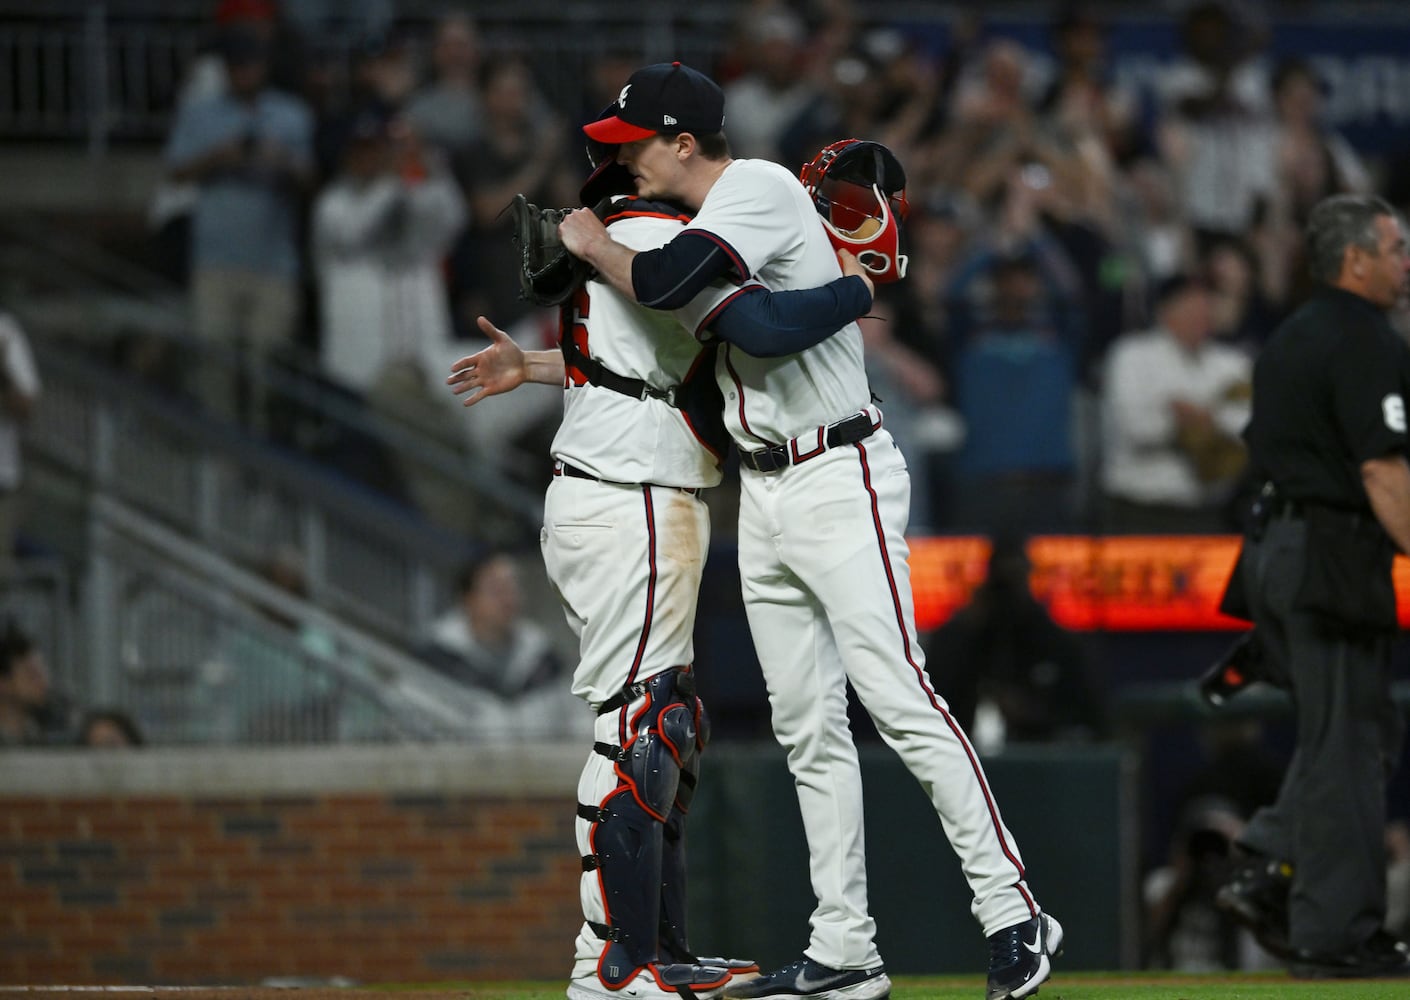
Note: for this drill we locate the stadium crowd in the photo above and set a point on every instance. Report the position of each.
(1093, 265)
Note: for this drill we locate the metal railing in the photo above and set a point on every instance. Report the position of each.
(365, 557)
(83, 300)
(200, 650)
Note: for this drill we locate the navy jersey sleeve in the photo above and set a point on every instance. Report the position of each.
(771, 324)
(670, 277)
(1367, 376)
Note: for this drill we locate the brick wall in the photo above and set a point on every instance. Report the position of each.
(188, 888)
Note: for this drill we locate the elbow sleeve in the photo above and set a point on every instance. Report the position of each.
(670, 277)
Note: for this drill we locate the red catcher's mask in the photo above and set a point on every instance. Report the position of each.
(859, 188)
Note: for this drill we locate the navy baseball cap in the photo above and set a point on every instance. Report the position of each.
(663, 98)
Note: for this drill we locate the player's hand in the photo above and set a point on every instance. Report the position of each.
(851, 265)
(498, 368)
(580, 230)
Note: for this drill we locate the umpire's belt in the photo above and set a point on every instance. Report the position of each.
(805, 446)
(573, 472)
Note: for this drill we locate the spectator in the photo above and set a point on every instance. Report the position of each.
(1219, 135)
(173, 203)
(485, 642)
(31, 712)
(1184, 930)
(937, 234)
(922, 424)
(1016, 326)
(446, 113)
(277, 675)
(109, 728)
(381, 233)
(19, 391)
(1244, 308)
(381, 230)
(879, 89)
(1314, 161)
(1155, 229)
(522, 153)
(772, 89)
(1173, 404)
(1003, 650)
(250, 152)
(1084, 100)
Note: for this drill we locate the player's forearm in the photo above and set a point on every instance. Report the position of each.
(544, 367)
(1387, 482)
(613, 263)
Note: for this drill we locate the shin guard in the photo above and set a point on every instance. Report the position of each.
(627, 793)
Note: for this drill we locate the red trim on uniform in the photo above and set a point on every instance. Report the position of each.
(675, 750)
(739, 388)
(650, 585)
(641, 214)
(925, 686)
(735, 260)
(798, 458)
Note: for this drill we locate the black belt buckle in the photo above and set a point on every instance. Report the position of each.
(766, 460)
(855, 428)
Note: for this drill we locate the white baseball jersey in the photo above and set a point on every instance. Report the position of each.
(760, 213)
(823, 565)
(616, 437)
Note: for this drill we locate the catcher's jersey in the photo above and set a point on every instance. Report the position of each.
(762, 216)
(621, 438)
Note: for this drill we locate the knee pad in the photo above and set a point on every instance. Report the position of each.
(666, 744)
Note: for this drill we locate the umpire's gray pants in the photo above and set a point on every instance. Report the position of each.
(1329, 819)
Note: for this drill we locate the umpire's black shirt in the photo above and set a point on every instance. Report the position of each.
(1327, 396)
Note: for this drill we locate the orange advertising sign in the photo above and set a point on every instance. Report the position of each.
(1092, 583)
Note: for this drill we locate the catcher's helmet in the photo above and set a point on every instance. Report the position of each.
(859, 188)
(608, 178)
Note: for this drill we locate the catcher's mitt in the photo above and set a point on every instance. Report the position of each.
(548, 273)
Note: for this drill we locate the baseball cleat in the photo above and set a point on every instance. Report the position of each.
(655, 982)
(806, 978)
(1257, 897)
(1381, 956)
(1020, 957)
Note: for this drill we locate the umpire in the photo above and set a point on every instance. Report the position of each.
(1328, 439)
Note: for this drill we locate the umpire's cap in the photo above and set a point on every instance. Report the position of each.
(663, 98)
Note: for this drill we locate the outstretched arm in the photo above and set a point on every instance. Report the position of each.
(502, 367)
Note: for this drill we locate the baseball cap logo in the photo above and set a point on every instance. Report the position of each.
(664, 97)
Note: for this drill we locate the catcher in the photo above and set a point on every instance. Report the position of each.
(625, 537)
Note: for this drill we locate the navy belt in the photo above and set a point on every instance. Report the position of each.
(857, 427)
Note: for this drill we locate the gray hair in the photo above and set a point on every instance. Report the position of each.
(1338, 222)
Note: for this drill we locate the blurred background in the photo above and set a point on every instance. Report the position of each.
(241, 243)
